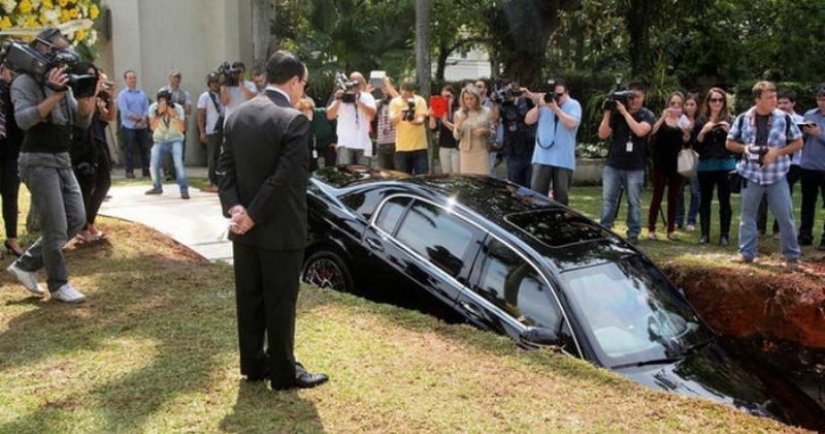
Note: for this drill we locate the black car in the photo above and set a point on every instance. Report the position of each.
(510, 260)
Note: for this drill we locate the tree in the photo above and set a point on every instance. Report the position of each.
(422, 46)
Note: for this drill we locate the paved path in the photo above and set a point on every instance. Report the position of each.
(196, 223)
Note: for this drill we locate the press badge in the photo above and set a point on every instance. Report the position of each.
(629, 146)
(314, 153)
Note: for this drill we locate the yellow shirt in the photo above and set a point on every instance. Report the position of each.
(408, 136)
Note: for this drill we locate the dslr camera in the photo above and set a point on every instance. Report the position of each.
(229, 75)
(165, 95)
(505, 93)
(621, 96)
(409, 114)
(26, 59)
(342, 83)
(550, 95)
(757, 153)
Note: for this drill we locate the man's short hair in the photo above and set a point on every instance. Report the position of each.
(282, 66)
(788, 94)
(760, 87)
(560, 82)
(820, 90)
(238, 64)
(175, 73)
(127, 73)
(212, 77)
(637, 86)
(408, 86)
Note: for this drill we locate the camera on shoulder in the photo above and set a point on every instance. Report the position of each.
(25, 59)
(622, 96)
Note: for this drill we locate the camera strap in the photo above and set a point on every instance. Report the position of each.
(555, 130)
(215, 102)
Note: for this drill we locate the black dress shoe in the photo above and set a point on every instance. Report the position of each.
(723, 241)
(703, 239)
(304, 380)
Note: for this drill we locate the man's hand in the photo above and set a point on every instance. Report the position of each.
(812, 130)
(621, 108)
(770, 157)
(57, 79)
(202, 137)
(240, 222)
(339, 94)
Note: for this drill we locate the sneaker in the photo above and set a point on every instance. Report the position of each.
(691, 228)
(652, 236)
(184, 195)
(130, 175)
(741, 259)
(672, 236)
(724, 241)
(792, 263)
(155, 191)
(27, 278)
(68, 294)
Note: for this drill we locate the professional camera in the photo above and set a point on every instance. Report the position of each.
(757, 153)
(503, 94)
(229, 76)
(165, 95)
(25, 59)
(347, 86)
(409, 115)
(621, 96)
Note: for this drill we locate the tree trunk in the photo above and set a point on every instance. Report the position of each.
(263, 41)
(441, 63)
(423, 69)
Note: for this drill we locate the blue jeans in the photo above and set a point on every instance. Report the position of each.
(693, 208)
(132, 137)
(176, 149)
(412, 162)
(779, 201)
(613, 180)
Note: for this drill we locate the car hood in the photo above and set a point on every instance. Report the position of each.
(712, 374)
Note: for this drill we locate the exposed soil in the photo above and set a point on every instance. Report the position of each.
(766, 311)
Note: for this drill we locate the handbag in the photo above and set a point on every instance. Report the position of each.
(687, 162)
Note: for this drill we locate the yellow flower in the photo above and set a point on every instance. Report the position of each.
(5, 23)
(80, 35)
(65, 16)
(62, 3)
(73, 13)
(43, 18)
(31, 22)
(25, 6)
(94, 12)
(48, 4)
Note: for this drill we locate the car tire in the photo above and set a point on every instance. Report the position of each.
(326, 269)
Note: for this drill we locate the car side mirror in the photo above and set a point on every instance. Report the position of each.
(541, 336)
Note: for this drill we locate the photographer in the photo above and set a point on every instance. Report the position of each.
(47, 110)
(519, 138)
(554, 158)
(234, 88)
(766, 137)
(354, 109)
(90, 153)
(628, 124)
(166, 120)
(408, 112)
(179, 97)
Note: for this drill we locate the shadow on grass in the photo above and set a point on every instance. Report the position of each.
(281, 412)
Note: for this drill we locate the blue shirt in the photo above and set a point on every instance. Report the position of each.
(813, 153)
(132, 103)
(780, 134)
(555, 143)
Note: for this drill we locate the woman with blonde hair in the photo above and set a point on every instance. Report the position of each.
(473, 125)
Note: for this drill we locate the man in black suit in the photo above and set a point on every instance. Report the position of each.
(264, 167)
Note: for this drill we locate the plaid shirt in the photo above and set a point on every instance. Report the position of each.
(780, 134)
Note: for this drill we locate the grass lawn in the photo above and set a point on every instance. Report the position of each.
(154, 349)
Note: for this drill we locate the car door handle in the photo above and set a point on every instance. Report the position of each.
(471, 309)
(375, 244)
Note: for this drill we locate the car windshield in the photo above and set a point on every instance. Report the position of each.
(632, 315)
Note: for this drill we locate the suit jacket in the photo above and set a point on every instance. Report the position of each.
(264, 165)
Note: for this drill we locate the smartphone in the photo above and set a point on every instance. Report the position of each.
(675, 111)
(439, 105)
(377, 79)
(809, 124)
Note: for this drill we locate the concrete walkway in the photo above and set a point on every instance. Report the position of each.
(196, 223)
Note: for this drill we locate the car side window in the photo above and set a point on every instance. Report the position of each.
(515, 286)
(436, 234)
(391, 212)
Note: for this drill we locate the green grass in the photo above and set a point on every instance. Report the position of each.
(154, 349)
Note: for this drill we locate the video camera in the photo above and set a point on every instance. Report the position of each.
(342, 83)
(25, 59)
(622, 96)
(409, 114)
(229, 75)
(501, 95)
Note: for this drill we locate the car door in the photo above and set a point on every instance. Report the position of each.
(426, 243)
(508, 294)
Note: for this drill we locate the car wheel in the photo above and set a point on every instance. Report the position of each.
(327, 270)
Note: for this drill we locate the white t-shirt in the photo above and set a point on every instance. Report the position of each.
(354, 125)
(212, 115)
(237, 98)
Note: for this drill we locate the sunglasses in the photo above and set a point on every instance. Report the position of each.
(717, 100)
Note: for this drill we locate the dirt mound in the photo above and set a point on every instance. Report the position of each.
(762, 299)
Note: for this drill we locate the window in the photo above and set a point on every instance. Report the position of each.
(515, 286)
(391, 212)
(437, 235)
